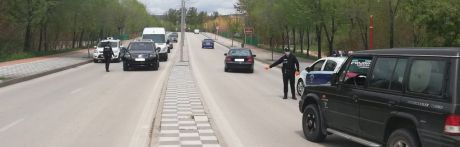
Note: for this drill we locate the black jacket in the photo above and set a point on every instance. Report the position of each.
(108, 52)
(290, 64)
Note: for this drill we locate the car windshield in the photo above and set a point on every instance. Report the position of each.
(239, 52)
(157, 38)
(145, 46)
(208, 40)
(102, 44)
(173, 35)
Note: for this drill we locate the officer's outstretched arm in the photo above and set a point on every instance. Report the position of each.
(280, 60)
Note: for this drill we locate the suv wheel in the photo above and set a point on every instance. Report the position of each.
(300, 87)
(403, 138)
(311, 124)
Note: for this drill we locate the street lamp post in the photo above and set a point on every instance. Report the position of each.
(182, 28)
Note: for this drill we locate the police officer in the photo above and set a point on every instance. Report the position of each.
(290, 70)
(108, 53)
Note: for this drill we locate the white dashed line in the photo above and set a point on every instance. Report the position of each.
(11, 125)
(75, 91)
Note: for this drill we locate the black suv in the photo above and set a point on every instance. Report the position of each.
(141, 54)
(389, 97)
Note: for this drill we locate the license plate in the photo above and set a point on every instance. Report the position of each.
(239, 60)
(139, 59)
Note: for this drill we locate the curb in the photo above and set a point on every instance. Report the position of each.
(30, 77)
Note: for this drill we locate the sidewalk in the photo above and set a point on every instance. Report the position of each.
(263, 55)
(12, 72)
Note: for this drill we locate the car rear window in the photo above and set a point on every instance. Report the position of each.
(112, 44)
(330, 65)
(427, 76)
(239, 52)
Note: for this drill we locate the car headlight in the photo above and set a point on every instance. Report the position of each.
(152, 55)
(127, 56)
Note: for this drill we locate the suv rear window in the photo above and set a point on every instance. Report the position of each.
(388, 73)
(427, 76)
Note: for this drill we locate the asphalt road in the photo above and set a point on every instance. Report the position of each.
(85, 106)
(248, 109)
(82, 107)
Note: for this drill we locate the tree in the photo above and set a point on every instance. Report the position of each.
(393, 6)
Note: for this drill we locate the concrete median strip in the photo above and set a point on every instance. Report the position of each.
(184, 121)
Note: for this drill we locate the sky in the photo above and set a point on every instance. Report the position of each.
(159, 7)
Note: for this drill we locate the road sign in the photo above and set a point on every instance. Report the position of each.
(248, 30)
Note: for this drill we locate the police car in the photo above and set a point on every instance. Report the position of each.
(319, 73)
(98, 55)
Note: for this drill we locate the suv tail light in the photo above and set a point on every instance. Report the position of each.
(452, 125)
(228, 58)
(251, 59)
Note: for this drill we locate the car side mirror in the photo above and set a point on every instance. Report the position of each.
(158, 49)
(253, 55)
(308, 69)
(168, 42)
(225, 54)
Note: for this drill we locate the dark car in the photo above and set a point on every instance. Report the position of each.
(173, 37)
(239, 58)
(207, 43)
(141, 54)
(389, 97)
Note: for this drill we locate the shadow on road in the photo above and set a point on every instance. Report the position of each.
(333, 141)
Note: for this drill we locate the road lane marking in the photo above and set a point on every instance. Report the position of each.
(75, 91)
(11, 125)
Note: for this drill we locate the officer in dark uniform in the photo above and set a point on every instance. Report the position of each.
(108, 53)
(290, 70)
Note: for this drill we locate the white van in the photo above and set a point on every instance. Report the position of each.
(158, 35)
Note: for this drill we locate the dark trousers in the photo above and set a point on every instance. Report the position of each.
(107, 62)
(291, 79)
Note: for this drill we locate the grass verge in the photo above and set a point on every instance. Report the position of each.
(31, 54)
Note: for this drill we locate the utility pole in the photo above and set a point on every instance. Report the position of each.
(182, 28)
(371, 32)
